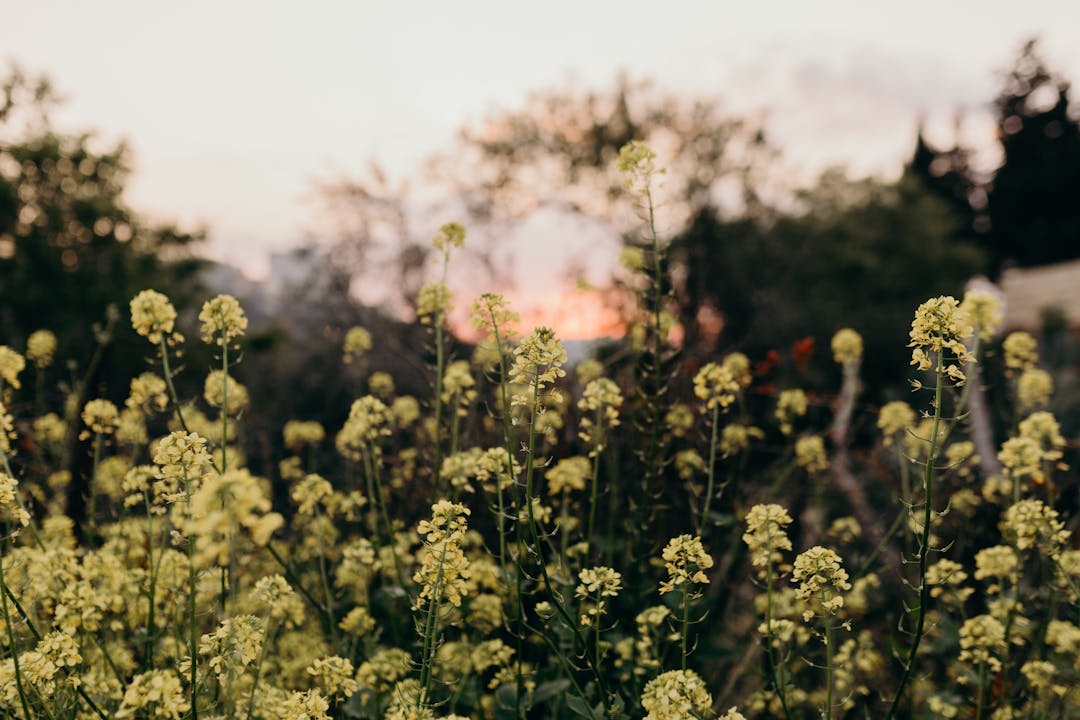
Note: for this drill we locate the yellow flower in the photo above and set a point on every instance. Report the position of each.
(686, 562)
(357, 343)
(716, 386)
(821, 579)
(40, 348)
(1021, 351)
(982, 640)
(298, 433)
(810, 454)
(894, 418)
(223, 320)
(101, 418)
(940, 326)
(847, 346)
(11, 364)
(790, 405)
(765, 535)
(677, 695)
(983, 308)
(450, 235)
(153, 317)
(1034, 388)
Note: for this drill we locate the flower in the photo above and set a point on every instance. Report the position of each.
(637, 162)
(1033, 524)
(538, 361)
(357, 342)
(101, 418)
(983, 309)
(982, 640)
(1034, 388)
(298, 433)
(847, 346)
(450, 235)
(810, 454)
(821, 579)
(940, 326)
(596, 584)
(1021, 351)
(716, 386)
(895, 417)
(156, 694)
(40, 348)
(677, 695)
(765, 535)
(435, 300)
(223, 320)
(11, 364)
(568, 474)
(686, 560)
(790, 405)
(221, 387)
(154, 317)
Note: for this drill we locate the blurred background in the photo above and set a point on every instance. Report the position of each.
(829, 164)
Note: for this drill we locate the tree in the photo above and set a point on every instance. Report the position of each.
(1034, 217)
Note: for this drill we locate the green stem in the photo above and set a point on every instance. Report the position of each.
(12, 646)
(712, 470)
(828, 667)
(924, 544)
(685, 621)
(595, 473)
(167, 372)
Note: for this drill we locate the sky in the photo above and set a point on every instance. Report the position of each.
(236, 110)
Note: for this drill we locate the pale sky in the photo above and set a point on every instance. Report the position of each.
(234, 109)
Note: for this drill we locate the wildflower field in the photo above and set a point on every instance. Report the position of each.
(636, 536)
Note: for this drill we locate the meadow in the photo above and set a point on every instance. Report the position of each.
(635, 536)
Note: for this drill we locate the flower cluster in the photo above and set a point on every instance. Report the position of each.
(847, 346)
(716, 386)
(821, 580)
(223, 321)
(686, 562)
(154, 317)
(940, 326)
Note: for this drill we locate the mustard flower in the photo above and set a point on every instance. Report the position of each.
(790, 405)
(632, 258)
(716, 386)
(894, 418)
(50, 429)
(182, 459)
(601, 397)
(998, 563)
(154, 317)
(381, 385)
(450, 235)
(40, 348)
(1033, 524)
(306, 705)
(276, 595)
(1034, 388)
(847, 346)
(677, 695)
(491, 313)
(10, 507)
(300, 433)
(821, 580)
(946, 579)
(1021, 351)
(689, 463)
(637, 162)
(941, 326)
(220, 506)
(458, 383)
(214, 391)
(148, 394)
(434, 301)
(595, 585)
(156, 694)
(982, 640)
(686, 562)
(7, 429)
(1044, 429)
(960, 457)
(233, 646)
(538, 361)
(405, 411)
(588, 370)
(100, 417)
(11, 364)
(366, 424)
(358, 622)
(679, 419)
(223, 320)
(983, 309)
(357, 343)
(570, 473)
(765, 534)
(735, 438)
(810, 454)
(444, 569)
(738, 365)
(334, 676)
